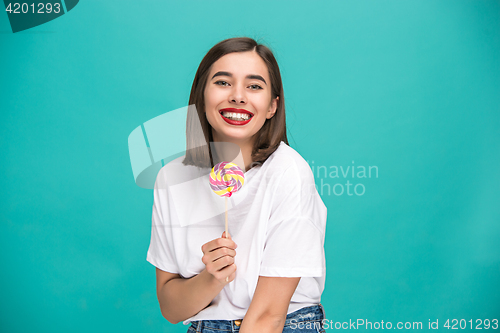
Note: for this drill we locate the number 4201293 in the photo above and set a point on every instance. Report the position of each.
(456, 324)
(40, 8)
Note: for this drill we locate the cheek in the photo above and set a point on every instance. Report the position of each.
(263, 104)
(206, 97)
(213, 97)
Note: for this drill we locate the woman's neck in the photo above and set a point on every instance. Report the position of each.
(239, 153)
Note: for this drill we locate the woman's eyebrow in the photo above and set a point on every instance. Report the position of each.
(250, 76)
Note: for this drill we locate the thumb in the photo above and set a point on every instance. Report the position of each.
(224, 235)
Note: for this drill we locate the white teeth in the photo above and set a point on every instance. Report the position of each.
(236, 116)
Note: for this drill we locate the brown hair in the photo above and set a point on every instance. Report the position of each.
(269, 137)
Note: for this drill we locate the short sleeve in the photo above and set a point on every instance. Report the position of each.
(160, 252)
(294, 245)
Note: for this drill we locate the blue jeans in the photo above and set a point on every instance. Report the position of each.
(305, 320)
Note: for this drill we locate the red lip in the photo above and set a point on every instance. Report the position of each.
(236, 122)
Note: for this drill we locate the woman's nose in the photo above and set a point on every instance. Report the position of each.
(238, 95)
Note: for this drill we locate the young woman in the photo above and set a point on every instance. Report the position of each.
(268, 276)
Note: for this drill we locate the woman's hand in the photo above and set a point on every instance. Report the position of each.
(218, 257)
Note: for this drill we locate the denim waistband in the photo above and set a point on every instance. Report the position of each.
(306, 314)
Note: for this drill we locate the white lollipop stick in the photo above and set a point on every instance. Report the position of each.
(227, 233)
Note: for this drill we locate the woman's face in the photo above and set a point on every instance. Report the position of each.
(238, 97)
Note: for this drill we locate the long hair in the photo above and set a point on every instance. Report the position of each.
(269, 137)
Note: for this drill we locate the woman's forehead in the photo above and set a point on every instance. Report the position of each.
(240, 64)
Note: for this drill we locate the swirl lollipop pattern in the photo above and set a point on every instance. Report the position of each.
(226, 178)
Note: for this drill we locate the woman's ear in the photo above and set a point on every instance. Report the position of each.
(272, 108)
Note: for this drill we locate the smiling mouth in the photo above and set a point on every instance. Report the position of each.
(235, 116)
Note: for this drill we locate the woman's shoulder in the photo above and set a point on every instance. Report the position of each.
(287, 156)
(287, 161)
(294, 180)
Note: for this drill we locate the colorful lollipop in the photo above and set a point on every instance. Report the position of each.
(225, 179)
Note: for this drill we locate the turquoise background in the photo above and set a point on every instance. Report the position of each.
(412, 87)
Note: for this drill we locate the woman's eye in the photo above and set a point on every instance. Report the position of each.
(224, 84)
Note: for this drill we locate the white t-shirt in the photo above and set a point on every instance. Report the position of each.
(277, 219)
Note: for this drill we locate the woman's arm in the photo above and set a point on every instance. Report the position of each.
(268, 309)
(181, 298)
